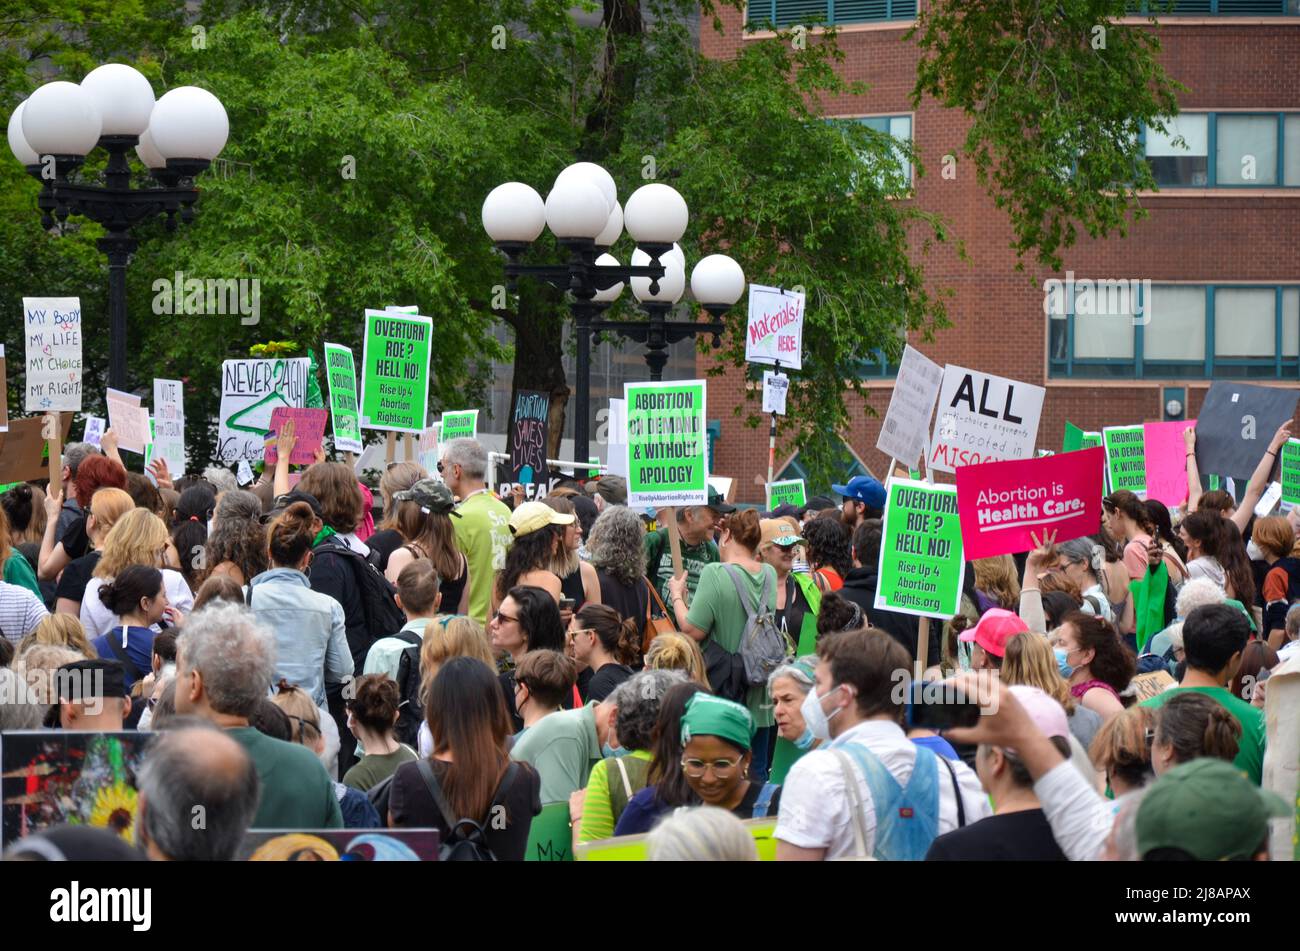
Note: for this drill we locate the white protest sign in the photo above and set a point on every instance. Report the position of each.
(775, 388)
(906, 428)
(983, 418)
(1272, 495)
(52, 330)
(244, 474)
(428, 448)
(775, 328)
(169, 425)
(95, 426)
(250, 390)
(616, 426)
(128, 420)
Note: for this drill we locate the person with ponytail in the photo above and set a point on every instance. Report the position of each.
(606, 646)
(1127, 520)
(106, 507)
(189, 533)
(137, 597)
(236, 543)
(310, 632)
(372, 715)
(1083, 561)
(1216, 551)
(1192, 725)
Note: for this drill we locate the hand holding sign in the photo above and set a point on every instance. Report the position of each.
(285, 442)
(1155, 553)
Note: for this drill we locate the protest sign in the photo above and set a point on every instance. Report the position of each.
(169, 425)
(1236, 424)
(395, 371)
(23, 449)
(616, 440)
(341, 375)
(1002, 503)
(667, 445)
(128, 419)
(550, 837)
(983, 418)
(528, 443)
(1268, 500)
(776, 386)
(243, 472)
(787, 492)
(308, 431)
(428, 447)
(95, 426)
(632, 848)
(4, 392)
(723, 486)
(339, 845)
(459, 424)
(52, 330)
(1291, 471)
(775, 328)
(1076, 438)
(1166, 461)
(921, 557)
(906, 429)
(250, 391)
(148, 452)
(1126, 466)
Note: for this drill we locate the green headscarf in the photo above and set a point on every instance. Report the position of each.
(707, 715)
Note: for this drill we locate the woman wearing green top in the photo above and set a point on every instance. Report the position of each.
(717, 612)
(372, 715)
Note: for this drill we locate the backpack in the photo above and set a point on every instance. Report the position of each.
(763, 647)
(410, 713)
(468, 846)
(382, 615)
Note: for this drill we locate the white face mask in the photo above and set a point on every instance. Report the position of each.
(814, 717)
(1253, 551)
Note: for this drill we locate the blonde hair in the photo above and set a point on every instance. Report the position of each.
(137, 538)
(400, 477)
(1120, 746)
(448, 636)
(59, 630)
(996, 577)
(674, 651)
(108, 505)
(1030, 661)
(36, 667)
(299, 707)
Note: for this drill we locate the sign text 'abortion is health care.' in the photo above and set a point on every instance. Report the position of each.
(667, 448)
(983, 418)
(1001, 503)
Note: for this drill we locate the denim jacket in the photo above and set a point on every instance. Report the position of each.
(310, 636)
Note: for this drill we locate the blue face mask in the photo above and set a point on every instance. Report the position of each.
(607, 751)
(806, 739)
(1062, 662)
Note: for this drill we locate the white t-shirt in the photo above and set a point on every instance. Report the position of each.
(1206, 567)
(815, 812)
(98, 619)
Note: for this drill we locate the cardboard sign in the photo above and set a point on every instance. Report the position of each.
(921, 556)
(788, 492)
(1002, 503)
(774, 332)
(308, 430)
(250, 391)
(983, 418)
(531, 422)
(1236, 423)
(52, 331)
(1126, 466)
(905, 431)
(667, 443)
(1291, 471)
(4, 392)
(128, 420)
(1166, 459)
(341, 375)
(95, 426)
(395, 371)
(169, 425)
(460, 424)
(340, 845)
(23, 450)
(776, 386)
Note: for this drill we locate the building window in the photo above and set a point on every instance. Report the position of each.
(1181, 331)
(1227, 8)
(764, 14)
(1226, 150)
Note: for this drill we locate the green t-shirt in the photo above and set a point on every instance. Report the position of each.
(18, 570)
(483, 535)
(659, 562)
(374, 768)
(563, 748)
(1250, 750)
(715, 608)
(297, 793)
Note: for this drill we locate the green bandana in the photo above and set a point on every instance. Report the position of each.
(323, 534)
(707, 715)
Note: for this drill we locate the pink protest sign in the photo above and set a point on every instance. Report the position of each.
(1166, 457)
(1000, 503)
(308, 427)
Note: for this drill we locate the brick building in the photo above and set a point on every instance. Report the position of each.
(1219, 247)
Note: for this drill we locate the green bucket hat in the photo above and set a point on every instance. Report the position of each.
(707, 715)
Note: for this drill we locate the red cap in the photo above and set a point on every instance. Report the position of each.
(994, 629)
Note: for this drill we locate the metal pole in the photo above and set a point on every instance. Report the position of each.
(119, 248)
(771, 437)
(582, 401)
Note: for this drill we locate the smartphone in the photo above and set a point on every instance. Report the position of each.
(939, 705)
(566, 604)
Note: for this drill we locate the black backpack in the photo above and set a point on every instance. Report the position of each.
(382, 615)
(410, 714)
(471, 845)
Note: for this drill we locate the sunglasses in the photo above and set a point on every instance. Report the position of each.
(505, 617)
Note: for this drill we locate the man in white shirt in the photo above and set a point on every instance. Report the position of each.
(863, 678)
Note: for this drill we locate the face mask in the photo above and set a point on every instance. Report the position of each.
(607, 751)
(1062, 663)
(818, 723)
(1253, 552)
(806, 739)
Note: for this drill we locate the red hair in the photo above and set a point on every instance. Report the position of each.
(94, 473)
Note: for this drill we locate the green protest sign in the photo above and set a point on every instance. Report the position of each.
(395, 371)
(1126, 459)
(550, 837)
(341, 375)
(667, 447)
(789, 492)
(1291, 471)
(460, 424)
(921, 558)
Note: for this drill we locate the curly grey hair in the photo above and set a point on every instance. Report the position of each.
(234, 654)
(701, 834)
(467, 453)
(222, 479)
(637, 700)
(237, 504)
(616, 543)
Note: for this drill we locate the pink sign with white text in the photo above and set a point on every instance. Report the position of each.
(1001, 503)
(1166, 459)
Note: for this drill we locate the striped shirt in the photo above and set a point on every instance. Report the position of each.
(20, 611)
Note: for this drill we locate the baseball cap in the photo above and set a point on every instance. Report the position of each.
(718, 503)
(994, 629)
(779, 531)
(534, 516)
(432, 496)
(1048, 715)
(864, 489)
(612, 488)
(818, 503)
(1207, 808)
(282, 502)
(88, 679)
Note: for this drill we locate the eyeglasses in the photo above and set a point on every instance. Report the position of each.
(505, 617)
(440, 470)
(722, 768)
